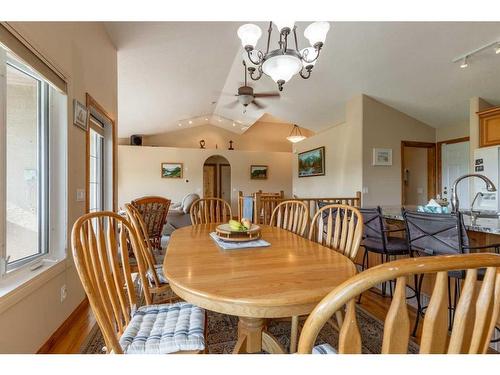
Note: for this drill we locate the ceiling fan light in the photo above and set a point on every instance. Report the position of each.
(309, 53)
(249, 34)
(282, 67)
(281, 25)
(316, 32)
(465, 63)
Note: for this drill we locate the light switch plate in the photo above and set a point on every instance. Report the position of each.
(80, 195)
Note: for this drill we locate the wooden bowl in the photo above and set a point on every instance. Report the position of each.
(225, 233)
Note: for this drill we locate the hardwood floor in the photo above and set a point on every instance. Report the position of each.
(83, 321)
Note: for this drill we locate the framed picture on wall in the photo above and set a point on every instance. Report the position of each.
(312, 162)
(171, 170)
(80, 115)
(382, 156)
(258, 172)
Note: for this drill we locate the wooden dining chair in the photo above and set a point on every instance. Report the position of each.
(210, 210)
(154, 211)
(99, 240)
(157, 282)
(475, 318)
(292, 216)
(339, 227)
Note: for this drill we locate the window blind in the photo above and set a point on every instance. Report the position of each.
(22, 49)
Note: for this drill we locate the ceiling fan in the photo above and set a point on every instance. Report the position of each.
(246, 96)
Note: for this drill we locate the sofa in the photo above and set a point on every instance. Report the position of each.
(178, 214)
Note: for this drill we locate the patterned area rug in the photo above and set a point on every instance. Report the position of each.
(222, 334)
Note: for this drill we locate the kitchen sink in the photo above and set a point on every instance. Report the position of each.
(490, 214)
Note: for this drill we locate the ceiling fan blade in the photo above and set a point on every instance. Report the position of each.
(258, 104)
(232, 104)
(267, 95)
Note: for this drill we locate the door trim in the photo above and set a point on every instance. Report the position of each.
(439, 156)
(91, 102)
(431, 166)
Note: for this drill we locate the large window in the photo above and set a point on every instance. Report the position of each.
(26, 146)
(28, 105)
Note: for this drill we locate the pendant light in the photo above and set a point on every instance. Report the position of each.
(296, 135)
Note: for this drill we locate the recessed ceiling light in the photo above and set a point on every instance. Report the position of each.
(464, 63)
(190, 122)
(220, 120)
(206, 119)
(234, 124)
(180, 124)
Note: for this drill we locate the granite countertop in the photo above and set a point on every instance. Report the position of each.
(482, 224)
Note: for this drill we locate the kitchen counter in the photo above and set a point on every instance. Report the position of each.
(482, 225)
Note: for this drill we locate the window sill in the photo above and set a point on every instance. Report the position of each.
(19, 283)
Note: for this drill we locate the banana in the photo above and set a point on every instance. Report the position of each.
(236, 225)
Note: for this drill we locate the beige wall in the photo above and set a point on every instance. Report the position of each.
(343, 158)
(139, 172)
(262, 136)
(385, 127)
(452, 132)
(84, 53)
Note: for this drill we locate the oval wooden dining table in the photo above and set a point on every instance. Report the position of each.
(286, 279)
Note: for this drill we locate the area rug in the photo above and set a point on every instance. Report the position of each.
(222, 334)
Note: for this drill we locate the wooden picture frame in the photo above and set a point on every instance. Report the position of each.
(172, 170)
(311, 163)
(259, 172)
(80, 115)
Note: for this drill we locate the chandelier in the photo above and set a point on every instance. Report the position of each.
(283, 63)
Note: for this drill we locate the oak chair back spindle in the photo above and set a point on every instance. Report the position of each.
(291, 215)
(339, 227)
(100, 242)
(154, 211)
(155, 286)
(476, 315)
(210, 210)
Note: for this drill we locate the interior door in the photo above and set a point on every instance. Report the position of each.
(225, 182)
(209, 187)
(455, 163)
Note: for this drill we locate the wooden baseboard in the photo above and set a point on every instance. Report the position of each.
(63, 328)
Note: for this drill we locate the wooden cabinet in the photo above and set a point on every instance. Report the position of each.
(489, 127)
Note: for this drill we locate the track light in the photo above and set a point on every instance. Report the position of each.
(464, 63)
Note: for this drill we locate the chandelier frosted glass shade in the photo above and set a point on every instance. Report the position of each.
(282, 67)
(249, 34)
(316, 32)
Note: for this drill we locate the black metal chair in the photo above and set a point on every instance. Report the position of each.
(431, 234)
(377, 240)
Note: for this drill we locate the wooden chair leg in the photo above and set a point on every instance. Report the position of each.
(294, 334)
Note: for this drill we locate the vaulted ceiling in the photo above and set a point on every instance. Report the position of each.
(176, 72)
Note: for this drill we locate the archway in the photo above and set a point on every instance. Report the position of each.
(217, 178)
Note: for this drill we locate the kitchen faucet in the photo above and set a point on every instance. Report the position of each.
(455, 204)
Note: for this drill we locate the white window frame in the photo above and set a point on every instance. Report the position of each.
(52, 198)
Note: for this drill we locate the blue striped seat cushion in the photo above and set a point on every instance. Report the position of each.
(159, 272)
(163, 329)
(324, 349)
